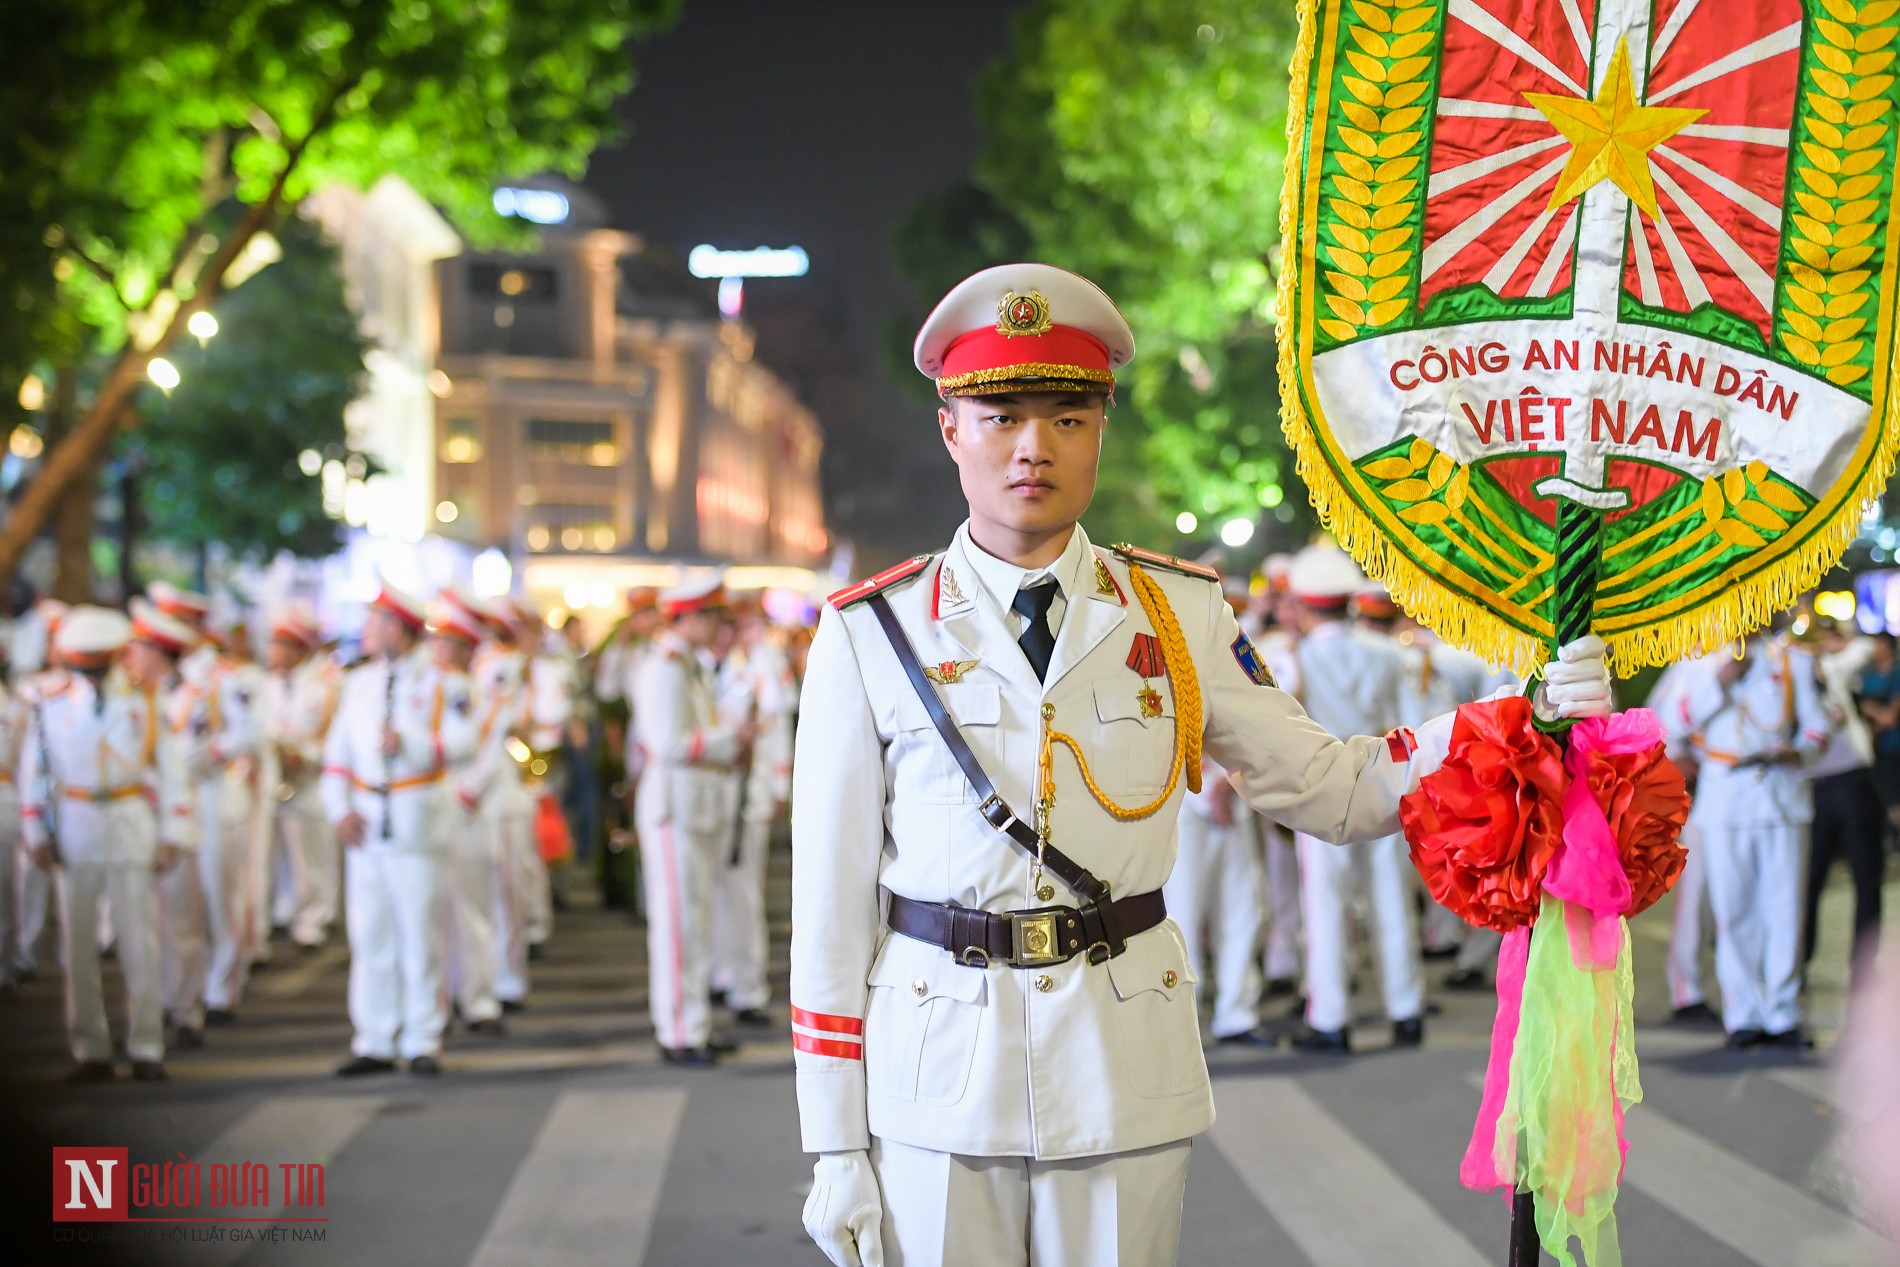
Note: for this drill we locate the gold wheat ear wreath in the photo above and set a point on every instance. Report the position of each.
(1187, 714)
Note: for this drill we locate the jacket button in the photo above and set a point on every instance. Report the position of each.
(920, 987)
(1168, 979)
(1046, 893)
(1045, 984)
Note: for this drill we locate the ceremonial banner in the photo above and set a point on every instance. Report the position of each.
(1592, 295)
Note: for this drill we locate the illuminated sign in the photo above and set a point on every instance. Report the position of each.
(760, 261)
(542, 206)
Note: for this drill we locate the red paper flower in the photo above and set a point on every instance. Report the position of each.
(1483, 826)
(1643, 797)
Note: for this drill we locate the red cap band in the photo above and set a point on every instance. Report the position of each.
(987, 355)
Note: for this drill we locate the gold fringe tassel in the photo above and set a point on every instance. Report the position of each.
(1744, 605)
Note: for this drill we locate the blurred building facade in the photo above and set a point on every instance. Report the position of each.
(580, 411)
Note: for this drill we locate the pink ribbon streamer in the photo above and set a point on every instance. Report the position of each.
(1483, 1167)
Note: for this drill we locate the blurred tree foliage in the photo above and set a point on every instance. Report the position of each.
(1142, 144)
(183, 108)
(220, 454)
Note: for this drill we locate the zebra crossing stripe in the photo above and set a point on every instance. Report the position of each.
(1760, 1217)
(588, 1189)
(281, 1129)
(1341, 1204)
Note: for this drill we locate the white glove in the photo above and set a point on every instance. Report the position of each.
(1577, 683)
(845, 1211)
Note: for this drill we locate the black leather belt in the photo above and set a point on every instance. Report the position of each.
(1028, 939)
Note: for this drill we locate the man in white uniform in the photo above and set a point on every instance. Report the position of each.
(1216, 894)
(680, 810)
(739, 928)
(1354, 681)
(1691, 925)
(301, 695)
(457, 626)
(1757, 720)
(13, 721)
(401, 723)
(105, 805)
(998, 1056)
(1285, 955)
(36, 657)
(499, 672)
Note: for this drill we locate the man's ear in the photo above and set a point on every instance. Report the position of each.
(947, 426)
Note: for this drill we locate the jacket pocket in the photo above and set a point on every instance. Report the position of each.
(1154, 1006)
(1143, 745)
(925, 1014)
(977, 709)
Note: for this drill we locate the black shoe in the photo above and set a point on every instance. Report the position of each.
(216, 1017)
(717, 998)
(510, 1006)
(1466, 979)
(1409, 1032)
(690, 1057)
(1282, 988)
(359, 1066)
(1797, 1038)
(1439, 952)
(1258, 1036)
(26, 976)
(1296, 1010)
(1743, 1039)
(188, 1038)
(1697, 1013)
(1334, 1042)
(148, 1071)
(535, 952)
(259, 965)
(87, 1072)
(721, 1044)
(492, 1027)
(425, 1066)
(308, 948)
(753, 1017)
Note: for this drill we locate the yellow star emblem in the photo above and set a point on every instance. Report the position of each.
(1611, 137)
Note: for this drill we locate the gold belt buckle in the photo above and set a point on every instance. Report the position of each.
(1035, 937)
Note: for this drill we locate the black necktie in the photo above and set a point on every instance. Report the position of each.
(1037, 641)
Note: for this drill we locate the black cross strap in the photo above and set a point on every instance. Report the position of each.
(994, 809)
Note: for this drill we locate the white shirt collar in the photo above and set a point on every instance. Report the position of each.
(1003, 579)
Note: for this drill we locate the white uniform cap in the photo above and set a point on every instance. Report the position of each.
(175, 600)
(696, 591)
(456, 621)
(167, 633)
(482, 613)
(296, 621)
(404, 607)
(1324, 575)
(1023, 327)
(89, 636)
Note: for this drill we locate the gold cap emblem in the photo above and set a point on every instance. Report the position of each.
(1022, 314)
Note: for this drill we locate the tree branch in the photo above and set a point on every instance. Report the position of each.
(99, 269)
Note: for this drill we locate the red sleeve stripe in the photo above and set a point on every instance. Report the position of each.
(1401, 744)
(827, 1047)
(699, 747)
(828, 1023)
(337, 769)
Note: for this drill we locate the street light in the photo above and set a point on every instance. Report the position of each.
(163, 373)
(1186, 522)
(1236, 532)
(202, 326)
(310, 462)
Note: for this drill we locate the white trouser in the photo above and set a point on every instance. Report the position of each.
(1754, 879)
(310, 849)
(182, 946)
(260, 830)
(676, 869)
(1214, 892)
(129, 890)
(512, 830)
(1480, 949)
(470, 910)
(225, 866)
(35, 942)
(11, 846)
(1441, 929)
(536, 890)
(393, 911)
(1283, 896)
(739, 939)
(1330, 873)
(948, 1210)
(1685, 937)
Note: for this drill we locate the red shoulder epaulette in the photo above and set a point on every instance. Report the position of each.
(1155, 559)
(883, 580)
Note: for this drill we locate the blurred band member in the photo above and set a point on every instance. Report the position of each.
(302, 696)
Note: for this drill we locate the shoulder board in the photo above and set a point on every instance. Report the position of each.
(882, 581)
(1154, 559)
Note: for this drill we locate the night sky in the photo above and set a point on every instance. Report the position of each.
(819, 124)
